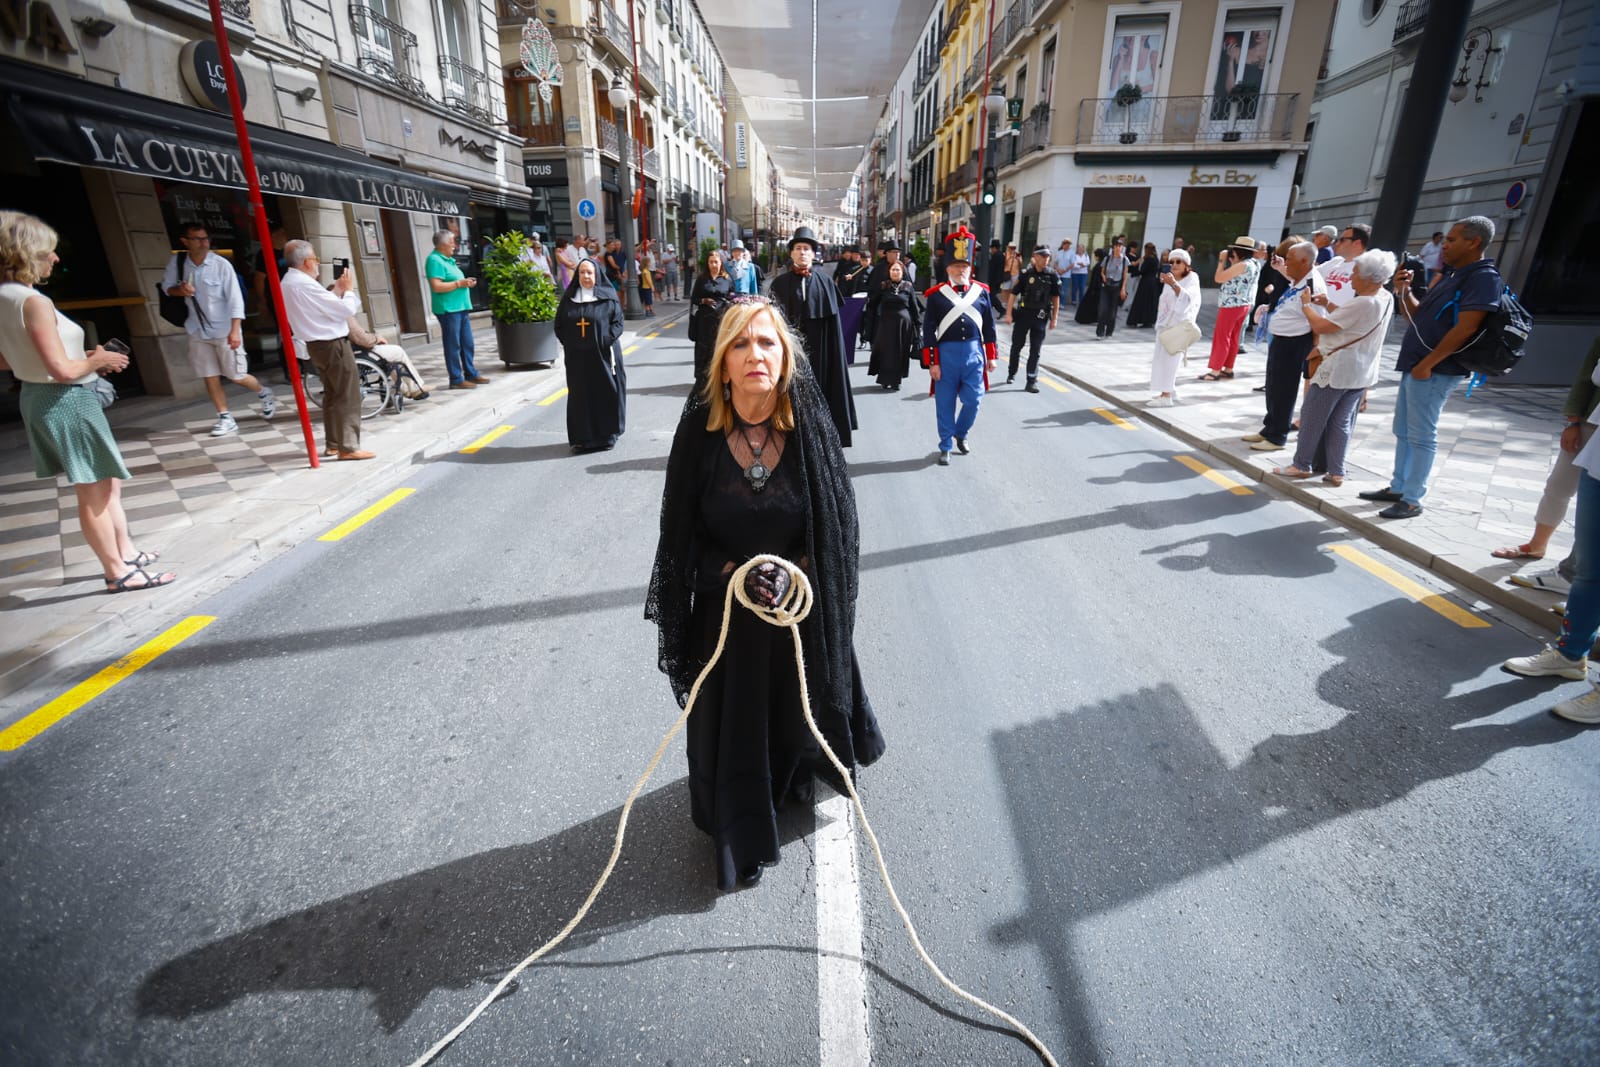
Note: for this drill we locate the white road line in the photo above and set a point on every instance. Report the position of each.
(841, 974)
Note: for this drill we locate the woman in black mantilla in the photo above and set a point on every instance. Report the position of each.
(712, 291)
(898, 330)
(1147, 298)
(589, 327)
(756, 468)
(1088, 312)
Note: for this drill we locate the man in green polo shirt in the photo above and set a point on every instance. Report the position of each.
(452, 304)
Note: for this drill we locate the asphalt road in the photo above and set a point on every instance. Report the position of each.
(1168, 778)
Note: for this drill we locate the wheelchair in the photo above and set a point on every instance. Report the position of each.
(381, 383)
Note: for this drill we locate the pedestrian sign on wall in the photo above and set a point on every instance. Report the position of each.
(586, 209)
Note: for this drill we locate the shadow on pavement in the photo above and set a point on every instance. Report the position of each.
(1153, 803)
(1069, 417)
(680, 391)
(1282, 552)
(461, 924)
(506, 454)
(893, 466)
(648, 463)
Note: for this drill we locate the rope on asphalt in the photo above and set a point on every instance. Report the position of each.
(788, 613)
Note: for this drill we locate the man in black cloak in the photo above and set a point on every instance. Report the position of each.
(810, 302)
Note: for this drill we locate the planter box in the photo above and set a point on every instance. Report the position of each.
(527, 342)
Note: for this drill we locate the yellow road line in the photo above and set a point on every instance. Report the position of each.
(366, 515)
(652, 336)
(1113, 419)
(630, 350)
(1052, 383)
(553, 397)
(669, 325)
(1458, 615)
(1215, 477)
(26, 729)
(486, 440)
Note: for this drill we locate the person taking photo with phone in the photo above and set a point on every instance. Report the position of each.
(210, 288)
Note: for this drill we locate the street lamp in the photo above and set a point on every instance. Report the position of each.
(620, 97)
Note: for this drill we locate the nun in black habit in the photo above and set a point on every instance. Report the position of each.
(589, 327)
(713, 288)
(810, 302)
(898, 330)
(756, 468)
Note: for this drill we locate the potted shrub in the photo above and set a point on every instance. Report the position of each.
(1243, 101)
(523, 302)
(1128, 95)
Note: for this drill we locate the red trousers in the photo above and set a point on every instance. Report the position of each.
(1225, 337)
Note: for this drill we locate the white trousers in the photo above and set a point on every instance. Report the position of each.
(1164, 370)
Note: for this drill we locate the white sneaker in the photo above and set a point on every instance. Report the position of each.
(1545, 581)
(1584, 709)
(269, 404)
(1549, 662)
(1160, 402)
(225, 425)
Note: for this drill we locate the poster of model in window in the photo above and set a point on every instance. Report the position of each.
(1241, 72)
(1135, 60)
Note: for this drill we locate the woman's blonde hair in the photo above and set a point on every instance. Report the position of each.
(735, 321)
(25, 246)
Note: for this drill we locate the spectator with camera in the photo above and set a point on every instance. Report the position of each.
(215, 322)
(1237, 272)
(1448, 315)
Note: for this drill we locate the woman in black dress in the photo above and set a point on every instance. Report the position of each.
(1142, 308)
(713, 288)
(1088, 312)
(589, 327)
(898, 330)
(756, 467)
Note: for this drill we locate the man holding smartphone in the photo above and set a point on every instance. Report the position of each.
(215, 300)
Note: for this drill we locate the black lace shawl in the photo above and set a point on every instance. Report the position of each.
(832, 549)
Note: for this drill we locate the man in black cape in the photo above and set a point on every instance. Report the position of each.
(810, 302)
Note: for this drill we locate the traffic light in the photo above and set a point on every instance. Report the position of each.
(990, 179)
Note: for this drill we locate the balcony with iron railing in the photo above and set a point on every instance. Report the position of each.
(466, 89)
(1413, 14)
(613, 30)
(650, 71)
(537, 133)
(919, 145)
(1185, 121)
(652, 162)
(924, 76)
(609, 140)
(387, 50)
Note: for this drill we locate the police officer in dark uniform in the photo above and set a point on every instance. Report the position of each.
(1032, 307)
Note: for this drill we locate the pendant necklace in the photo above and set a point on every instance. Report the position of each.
(758, 472)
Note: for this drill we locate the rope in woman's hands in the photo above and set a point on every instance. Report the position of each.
(782, 597)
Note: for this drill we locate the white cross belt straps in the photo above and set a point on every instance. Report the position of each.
(962, 305)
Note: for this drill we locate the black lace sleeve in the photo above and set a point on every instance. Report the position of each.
(670, 600)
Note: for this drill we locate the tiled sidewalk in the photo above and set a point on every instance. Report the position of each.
(1495, 449)
(217, 506)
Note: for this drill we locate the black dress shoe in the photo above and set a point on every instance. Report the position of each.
(961, 446)
(1401, 510)
(1032, 387)
(944, 459)
(751, 875)
(1387, 495)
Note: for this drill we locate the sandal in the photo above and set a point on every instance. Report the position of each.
(1291, 472)
(1226, 373)
(143, 559)
(1335, 480)
(1518, 552)
(120, 585)
(1210, 376)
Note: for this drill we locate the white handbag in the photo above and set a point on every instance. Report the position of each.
(1178, 337)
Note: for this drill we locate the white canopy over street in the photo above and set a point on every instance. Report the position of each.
(814, 75)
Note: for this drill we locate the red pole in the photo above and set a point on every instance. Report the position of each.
(983, 110)
(263, 231)
(644, 201)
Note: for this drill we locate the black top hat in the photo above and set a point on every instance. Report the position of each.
(804, 236)
(888, 244)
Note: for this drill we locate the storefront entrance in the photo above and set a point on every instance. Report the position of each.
(1209, 220)
(1109, 212)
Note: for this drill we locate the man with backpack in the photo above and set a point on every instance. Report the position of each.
(1448, 317)
(207, 284)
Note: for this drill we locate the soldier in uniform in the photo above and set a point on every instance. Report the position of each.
(958, 344)
(1034, 301)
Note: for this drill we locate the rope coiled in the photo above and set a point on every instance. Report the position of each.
(788, 613)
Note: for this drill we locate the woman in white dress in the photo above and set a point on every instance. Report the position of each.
(1180, 304)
